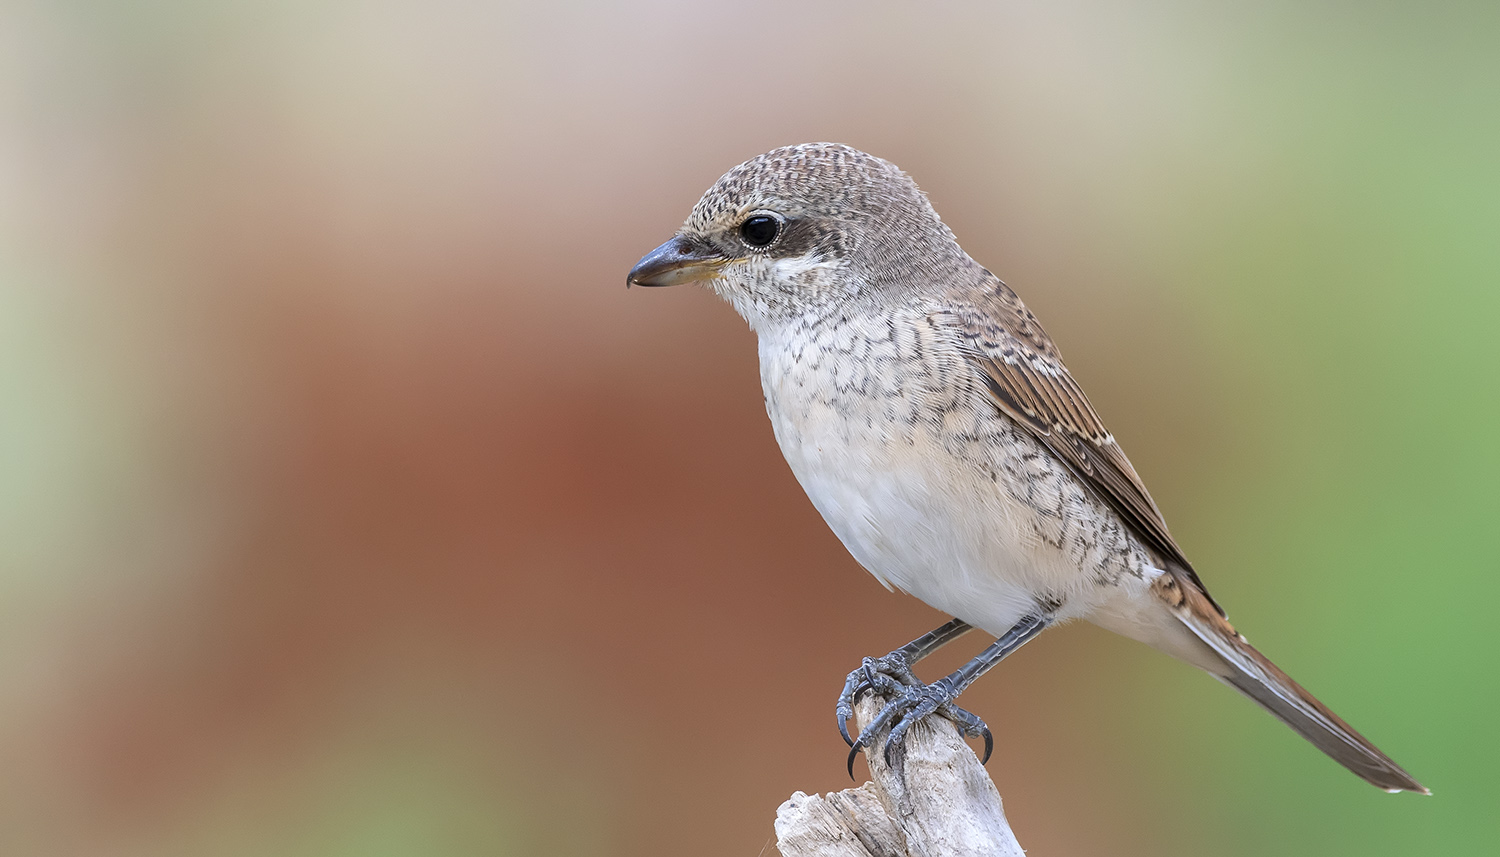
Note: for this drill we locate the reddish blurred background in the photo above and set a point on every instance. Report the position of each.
(355, 507)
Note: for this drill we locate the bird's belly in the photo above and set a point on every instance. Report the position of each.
(926, 521)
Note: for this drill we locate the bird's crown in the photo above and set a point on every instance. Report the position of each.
(829, 179)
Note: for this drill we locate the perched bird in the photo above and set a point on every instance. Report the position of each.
(932, 422)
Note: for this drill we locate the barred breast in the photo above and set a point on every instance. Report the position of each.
(932, 489)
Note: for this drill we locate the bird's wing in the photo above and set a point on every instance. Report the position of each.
(1029, 382)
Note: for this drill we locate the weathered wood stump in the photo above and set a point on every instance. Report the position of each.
(937, 801)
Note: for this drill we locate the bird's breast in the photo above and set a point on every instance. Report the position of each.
(891, 434)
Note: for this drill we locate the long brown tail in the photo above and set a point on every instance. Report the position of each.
(1253, 674)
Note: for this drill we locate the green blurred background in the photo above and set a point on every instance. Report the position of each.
(351, 505)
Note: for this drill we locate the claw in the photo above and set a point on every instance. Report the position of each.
(909, 700)
(843, 713)
(870, 675)
(912, 705)
(971, 725)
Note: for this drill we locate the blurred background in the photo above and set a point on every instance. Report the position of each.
(350, 505)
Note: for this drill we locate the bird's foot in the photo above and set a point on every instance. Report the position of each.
(910, 700)
(889, 675)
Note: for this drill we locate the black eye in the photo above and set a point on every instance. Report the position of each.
(760, 230)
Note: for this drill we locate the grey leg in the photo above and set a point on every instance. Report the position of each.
(916, 700)
(892, 674)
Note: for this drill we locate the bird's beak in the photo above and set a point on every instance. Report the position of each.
(676, 262)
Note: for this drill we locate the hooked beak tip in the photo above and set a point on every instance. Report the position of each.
(676, 262)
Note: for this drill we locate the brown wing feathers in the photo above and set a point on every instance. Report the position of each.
(1027, 379)
(1029, 382)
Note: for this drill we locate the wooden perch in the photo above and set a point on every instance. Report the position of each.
(937, 802)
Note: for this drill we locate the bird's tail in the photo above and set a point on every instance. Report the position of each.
(1253, 674)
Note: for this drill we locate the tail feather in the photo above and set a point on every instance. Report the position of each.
(1253, 674)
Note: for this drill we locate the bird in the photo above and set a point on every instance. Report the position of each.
(932, 422)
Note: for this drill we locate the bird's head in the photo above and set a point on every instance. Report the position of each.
(804, 227)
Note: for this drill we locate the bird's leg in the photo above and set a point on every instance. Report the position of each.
(916, 700)
(892, 674)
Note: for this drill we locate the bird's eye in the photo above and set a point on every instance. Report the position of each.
(760, 230)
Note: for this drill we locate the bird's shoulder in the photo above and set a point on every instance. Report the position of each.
(993, 316)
